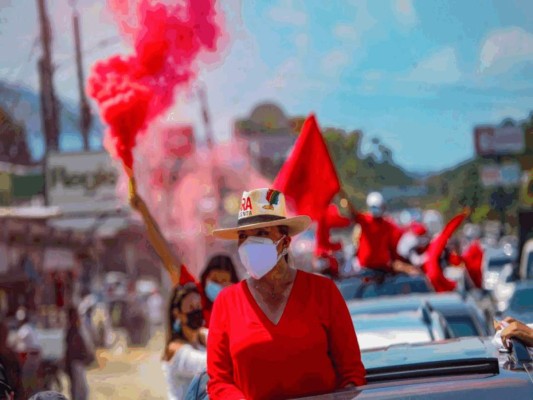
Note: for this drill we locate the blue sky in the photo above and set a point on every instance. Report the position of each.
(416, 74)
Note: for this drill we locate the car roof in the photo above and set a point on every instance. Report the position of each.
(405, 302)
(523, 285)
(399, 320)
(444, 350)
(381, 330)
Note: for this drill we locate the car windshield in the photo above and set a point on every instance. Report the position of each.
(404, 320)
(462, 326)
(522, 299)
(388, 329)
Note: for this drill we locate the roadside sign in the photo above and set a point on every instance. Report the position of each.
(178, 141)
(82, 181)
(508, 174)
(490, 175)
(492, 141)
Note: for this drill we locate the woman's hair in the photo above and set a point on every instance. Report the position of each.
(176, 298)
(219, 262)
(284, 230)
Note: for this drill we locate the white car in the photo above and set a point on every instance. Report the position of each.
(383, 330)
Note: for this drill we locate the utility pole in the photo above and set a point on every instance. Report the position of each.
(205, 116)
(85, 110)
(49, 104)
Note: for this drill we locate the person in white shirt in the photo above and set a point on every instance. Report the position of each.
(185, 353)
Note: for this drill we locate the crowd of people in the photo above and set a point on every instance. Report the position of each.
(279, 332)
(23, 362)
(282, 332)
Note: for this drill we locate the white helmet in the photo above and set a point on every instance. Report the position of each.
(375, 199)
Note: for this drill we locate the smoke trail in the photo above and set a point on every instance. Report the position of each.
(167, 39)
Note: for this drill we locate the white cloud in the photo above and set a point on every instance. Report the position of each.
(334, 61)
(288, 14)
(504, 48)
(288, 72)
(439, 68)
(346, 32)
(405, 12)
(301, 41)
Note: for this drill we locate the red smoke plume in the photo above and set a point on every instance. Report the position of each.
(167, 39)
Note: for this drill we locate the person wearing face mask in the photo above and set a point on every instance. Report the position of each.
(217, 275)
(185, 353)
(379, 235)
(282, 332)
(219, 272)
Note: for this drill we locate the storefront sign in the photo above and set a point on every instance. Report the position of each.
(84, 181)
(58, 259)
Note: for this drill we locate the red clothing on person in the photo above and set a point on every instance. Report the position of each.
(378, 241)
(207, 306)
(312, 350)
(473, 257)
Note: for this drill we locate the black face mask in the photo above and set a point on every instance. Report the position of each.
(195, 319)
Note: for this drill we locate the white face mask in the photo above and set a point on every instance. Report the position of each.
(259, 255)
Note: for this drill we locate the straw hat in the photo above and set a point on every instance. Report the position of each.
(261, 208)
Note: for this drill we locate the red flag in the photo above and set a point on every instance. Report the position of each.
(473, 257)
(308, 178)
(435, 249)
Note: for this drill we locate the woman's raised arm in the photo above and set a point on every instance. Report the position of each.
(171, 262)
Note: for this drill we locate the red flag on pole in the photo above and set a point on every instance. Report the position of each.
(308, 178)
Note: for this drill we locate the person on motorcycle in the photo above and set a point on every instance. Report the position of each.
(379, 235)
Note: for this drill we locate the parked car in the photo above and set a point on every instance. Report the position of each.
(460, 317)
(462, 369)
(368, 284)
(520, 303)
(526, 260)
(382, 330)
(494, 260)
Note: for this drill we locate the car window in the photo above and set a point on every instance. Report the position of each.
(522, 299)
(496, 264)
(462, 326)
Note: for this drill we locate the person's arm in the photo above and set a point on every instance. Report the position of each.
(343, 344)
(356, 215)
(518, 330)
(221, 385)
(190, 361)
(171, 262)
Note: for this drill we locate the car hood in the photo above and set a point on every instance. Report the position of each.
(451, 349)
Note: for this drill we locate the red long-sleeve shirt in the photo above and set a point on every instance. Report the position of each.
(473, 257)
(312, 350)
(378, 241)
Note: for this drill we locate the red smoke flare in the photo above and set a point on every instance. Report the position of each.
(132, 91)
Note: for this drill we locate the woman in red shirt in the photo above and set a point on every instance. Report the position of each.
(281, 333)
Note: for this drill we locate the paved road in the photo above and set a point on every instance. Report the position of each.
(126, 373)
